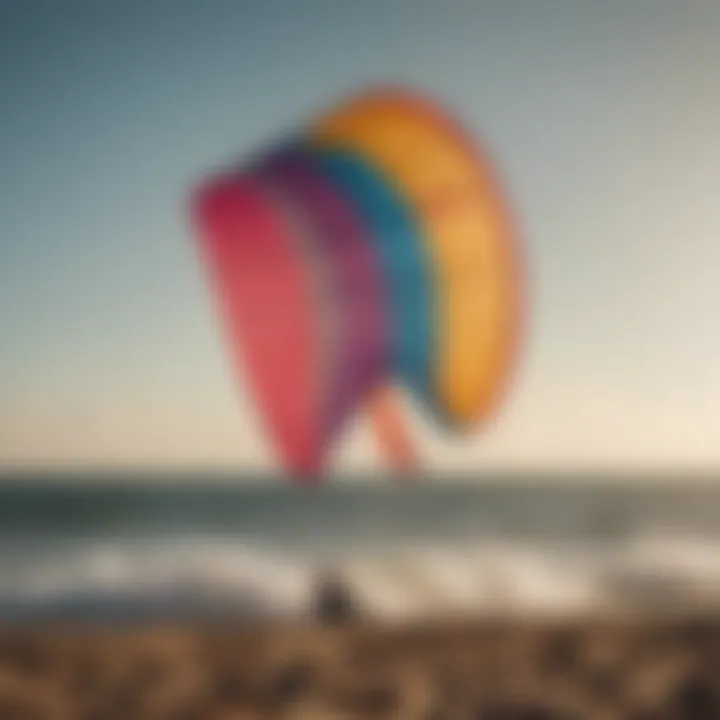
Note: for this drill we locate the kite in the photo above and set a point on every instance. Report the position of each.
(373, 251)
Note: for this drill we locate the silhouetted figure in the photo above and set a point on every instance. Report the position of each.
(333, 602)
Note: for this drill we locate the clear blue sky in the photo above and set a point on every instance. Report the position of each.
(603, 118)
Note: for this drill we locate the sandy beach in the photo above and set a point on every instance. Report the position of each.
(489, 669)
(485, 603)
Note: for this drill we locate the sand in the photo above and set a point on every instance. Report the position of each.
(485, 669)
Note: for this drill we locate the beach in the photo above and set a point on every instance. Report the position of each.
(181, 602)
(487, 668)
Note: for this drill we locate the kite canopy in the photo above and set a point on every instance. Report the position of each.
(393, 234)
(354, 286)
(374, 249)
(450, 188)
(268, 299)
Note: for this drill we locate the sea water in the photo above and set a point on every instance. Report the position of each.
(125, 547)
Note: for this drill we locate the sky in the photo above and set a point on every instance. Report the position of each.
(602, 119)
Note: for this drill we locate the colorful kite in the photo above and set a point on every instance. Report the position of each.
(374, 250)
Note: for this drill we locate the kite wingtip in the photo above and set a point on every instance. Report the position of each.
(307, 472)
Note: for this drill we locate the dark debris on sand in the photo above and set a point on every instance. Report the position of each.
(480, 671)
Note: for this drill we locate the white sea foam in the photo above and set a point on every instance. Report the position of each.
(488, 576)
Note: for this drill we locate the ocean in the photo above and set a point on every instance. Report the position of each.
(111, 548)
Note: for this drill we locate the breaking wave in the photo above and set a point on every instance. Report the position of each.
(211, 576)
